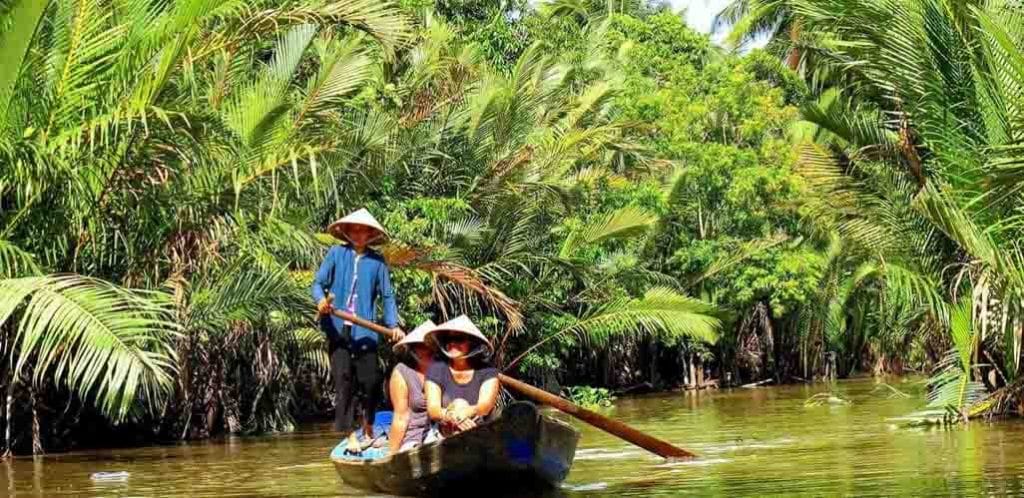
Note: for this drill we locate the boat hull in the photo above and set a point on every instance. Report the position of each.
(521, 449)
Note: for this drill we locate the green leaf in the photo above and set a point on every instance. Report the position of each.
(626, 222)
(14, 262)
(18, 26)
(659, 311)
(99, 340)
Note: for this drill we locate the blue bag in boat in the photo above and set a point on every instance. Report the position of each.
(381, 426)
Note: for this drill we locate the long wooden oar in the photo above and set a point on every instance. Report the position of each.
(618, 429)
(646, 441)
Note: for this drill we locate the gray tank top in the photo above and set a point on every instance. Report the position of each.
(419, 423)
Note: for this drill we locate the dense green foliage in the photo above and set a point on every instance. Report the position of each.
(911, 148)
(589, 397)
(167, 166)
(613, 198)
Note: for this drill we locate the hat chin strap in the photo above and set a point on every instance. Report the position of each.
(477, 351)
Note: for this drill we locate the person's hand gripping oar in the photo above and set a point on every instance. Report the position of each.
(326, 307)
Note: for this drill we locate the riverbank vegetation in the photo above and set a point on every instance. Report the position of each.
(618, 200)
(911, 150)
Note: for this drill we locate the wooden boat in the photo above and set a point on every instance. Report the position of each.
(520, 449)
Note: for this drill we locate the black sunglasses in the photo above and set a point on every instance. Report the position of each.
(446, 337)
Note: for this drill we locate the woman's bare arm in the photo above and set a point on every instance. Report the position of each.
(488, 397)
(486, 401)
(434, 410)
(399, 392)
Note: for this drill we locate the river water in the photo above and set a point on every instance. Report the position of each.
(762, 441)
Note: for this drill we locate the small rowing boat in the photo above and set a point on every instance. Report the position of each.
(521, 448)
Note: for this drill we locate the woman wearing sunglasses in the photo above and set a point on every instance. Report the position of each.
(462, 391)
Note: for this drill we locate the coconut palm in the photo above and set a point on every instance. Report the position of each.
(590, 10)
(126, 117)
(106, 344)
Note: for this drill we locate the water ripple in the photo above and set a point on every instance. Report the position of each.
(750, 443)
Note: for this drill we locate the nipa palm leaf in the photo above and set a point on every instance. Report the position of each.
(95, 338)
(15, 262)
(659, 311)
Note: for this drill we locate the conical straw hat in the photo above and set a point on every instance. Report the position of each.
(417, 336)
(360, 217)
(463, 325)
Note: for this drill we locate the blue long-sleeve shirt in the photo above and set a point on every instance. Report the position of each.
(335, 276)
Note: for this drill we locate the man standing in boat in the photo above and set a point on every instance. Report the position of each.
(351, 278)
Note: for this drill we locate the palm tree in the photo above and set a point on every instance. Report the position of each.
(535, 134)
(189, 148)
(751, 20)
(104, 343)
(934, 101)
(586, 11)
(155, 135)
(133, 125)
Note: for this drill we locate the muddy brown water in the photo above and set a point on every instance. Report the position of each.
(752, 442)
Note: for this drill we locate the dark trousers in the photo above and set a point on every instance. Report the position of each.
(351, 371)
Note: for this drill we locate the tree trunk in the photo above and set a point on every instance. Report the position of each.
(910, 154)
(769, 340)
(793, 59)
(37, 440)
(9, 414)
(693, 372)
(686, 367)
(652, 363)
(229, 403)
(606, 367)
(211, 409)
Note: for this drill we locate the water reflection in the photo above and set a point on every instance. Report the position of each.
(752, 442)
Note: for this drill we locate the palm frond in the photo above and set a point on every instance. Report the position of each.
(912, 286)
(659, 311)
(464, 231)
(241, 291)
(749, 19)
(626, 265)
(21, 21)
(965, 336)
(958, 225)
(737, 256)
(312, 349)
(576, 9)
(15, 262)
(470, 281)
(254, 114)
(84, 42)
(860, 132)
(344, 67)
(384, 21)
(624, 222)
(951, 389)
(99, 340)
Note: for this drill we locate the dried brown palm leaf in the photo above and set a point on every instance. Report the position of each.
(468, 279)
(399, 256)
(455, 285)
